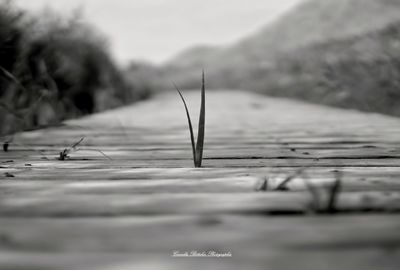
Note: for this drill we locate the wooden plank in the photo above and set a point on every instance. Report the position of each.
(131, 212)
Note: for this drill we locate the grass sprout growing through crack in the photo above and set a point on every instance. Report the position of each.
(283, 185)
(197, 148)
(315, 204)
(64, 154)
(263, 185)
(332, 190)
(323, 199)
(6, 144)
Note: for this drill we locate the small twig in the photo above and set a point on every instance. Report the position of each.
(64, 154)
(73, 148)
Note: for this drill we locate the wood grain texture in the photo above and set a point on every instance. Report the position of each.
(133, 211)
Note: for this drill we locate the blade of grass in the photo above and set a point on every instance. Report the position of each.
(77, 143)
(5, 146)
(190, 125)
(200, 134)
(334, 191)
(283, 185)
(315, 202)
(263, 185)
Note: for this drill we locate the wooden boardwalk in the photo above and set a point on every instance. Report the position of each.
(134, 211)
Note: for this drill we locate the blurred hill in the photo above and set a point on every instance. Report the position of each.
(311, 22)
(361, 72)
(196, 57)
(326, 51)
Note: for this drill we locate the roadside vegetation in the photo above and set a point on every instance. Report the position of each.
(55, 67)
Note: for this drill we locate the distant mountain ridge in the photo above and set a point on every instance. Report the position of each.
(318, 21)
(311, 22)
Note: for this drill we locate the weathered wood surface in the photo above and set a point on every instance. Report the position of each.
(133, 211)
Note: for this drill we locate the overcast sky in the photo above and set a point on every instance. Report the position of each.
(155, 30)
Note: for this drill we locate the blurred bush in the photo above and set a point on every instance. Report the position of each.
(146, 77)
(53, 68)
